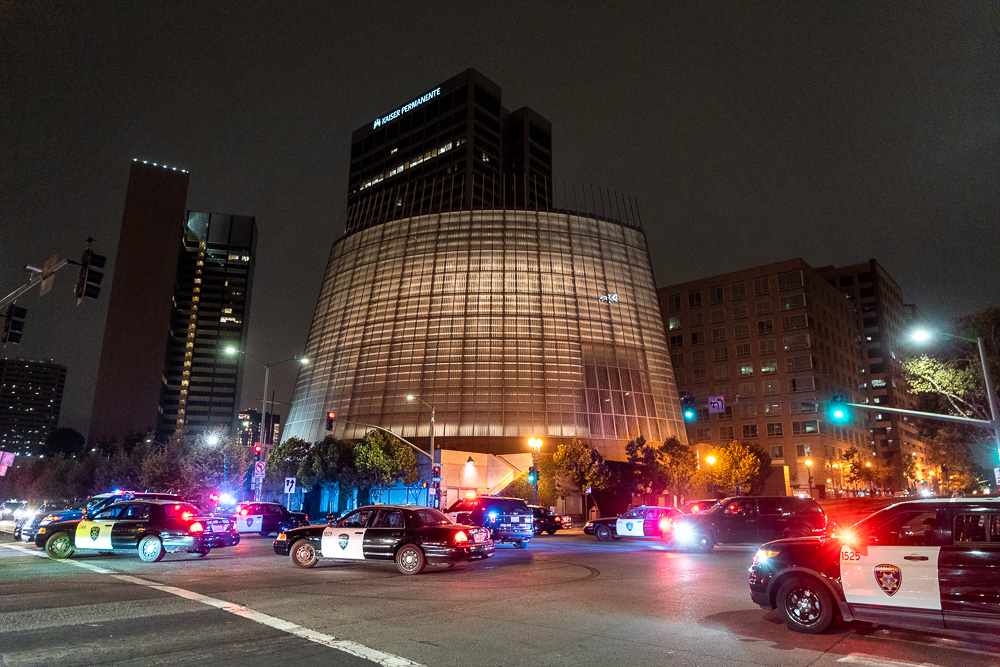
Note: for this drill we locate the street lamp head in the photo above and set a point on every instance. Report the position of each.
(809, 462)
(303, 361)
(535, 443)
(213, 439)
(921, 335)
(868, 464)
(710, 460)
(410, 397)
(231, 350)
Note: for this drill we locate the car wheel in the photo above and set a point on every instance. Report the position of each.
(303, 554)
(703, 543)
(151, 549)
(59, 546)
(551, 532)
(200, 553)
(603, 534)
(793, 533)
(805, 605)
(264, 533)
(521, 544)
(410, 559)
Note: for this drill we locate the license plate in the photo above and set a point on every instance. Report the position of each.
(218, 529)
(514, 519)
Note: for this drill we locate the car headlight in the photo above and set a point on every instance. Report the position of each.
(764, 555)
(282, 537)
(590, 524)
(684, 532)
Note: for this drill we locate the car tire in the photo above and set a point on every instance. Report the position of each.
(410, 559)
(602, 533)
(151, 549)
(303, 554)
(59, 546)
(200, 553)
(264, 533)
(521, 544)
(704, 543)
(551, 532)
(805, 605)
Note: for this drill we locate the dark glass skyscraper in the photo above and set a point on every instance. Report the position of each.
(30, 399)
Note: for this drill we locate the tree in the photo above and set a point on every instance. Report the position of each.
(736, 467)
(382, 460)
(680, 464)
(579, 466)
(66, 442)
(650, 473)
(286, 459)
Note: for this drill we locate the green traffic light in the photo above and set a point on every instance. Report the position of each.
(690, 415)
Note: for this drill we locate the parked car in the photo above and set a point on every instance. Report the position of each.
(410, 536)
(267, 518)
(750, 520)
(643, 521)
(507, 519)
(921, 564)
(43, 515)
(149, 528)
(545, 520)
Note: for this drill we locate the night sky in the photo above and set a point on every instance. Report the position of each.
(748, 132)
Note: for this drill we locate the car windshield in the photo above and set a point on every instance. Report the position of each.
(432, 517)
(505, 506)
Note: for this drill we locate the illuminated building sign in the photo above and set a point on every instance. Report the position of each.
(609, 298)
(407, 107)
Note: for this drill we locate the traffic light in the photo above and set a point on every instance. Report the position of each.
(13, 324)
(256, 452)
(837, 410)
(688, 408)
(329, 420)
(89, 283)
(436, 473)
(532, 474)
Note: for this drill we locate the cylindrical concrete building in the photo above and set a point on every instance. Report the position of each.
(510, 323)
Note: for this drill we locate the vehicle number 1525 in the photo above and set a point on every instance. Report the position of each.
(850, 554)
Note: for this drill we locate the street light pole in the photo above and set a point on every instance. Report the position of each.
(536, 445)
(411, 397)
(809, 468)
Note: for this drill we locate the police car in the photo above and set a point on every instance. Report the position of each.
(924, 564)
(410, 536)
(644, 521)
(149, 528)
(266, 518)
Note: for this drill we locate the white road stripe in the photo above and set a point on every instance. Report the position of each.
(872, 661)
(353, 648)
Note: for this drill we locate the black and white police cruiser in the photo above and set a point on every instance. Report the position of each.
(923, 564)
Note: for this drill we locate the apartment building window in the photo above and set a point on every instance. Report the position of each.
(675, 322)
(746, 370)
(726, 433)
(738, 291)
(802, 363)
(766, 346)
(742, 350)
(718, 315)
(777, 452)
(808, 427)
(790, 280)
(765, 327)
(772, 409)
(674, 303)
(698, 338)
(677, 340)
(761, 286)
(741, 331)
(680, 379)
(746, 389)
(801, 450)
(715, 294)
(771, 387)
(793, 301)
(769, 366)
(763, 307)
(694, 299)
(804, 408)
(722, 372)
(797, 342)
(720, 354)
(748, 410)
(677, 359)
(727, 414)
(698, 357)
(719, 335)
(697, 319)
(740, 311)
(703, 434)
(798, 385)
(774, 430)
(749, 430)
(793, 322)
(699, 375)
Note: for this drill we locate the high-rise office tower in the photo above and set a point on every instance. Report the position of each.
(180, 285)
(460, 283)
(30, 399)
(202, 383)
(776, 342)
(882, 321)
(454, 147)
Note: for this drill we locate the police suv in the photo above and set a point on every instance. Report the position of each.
(924, 564)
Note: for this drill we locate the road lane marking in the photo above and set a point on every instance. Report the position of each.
(872, 661)
(347, 646)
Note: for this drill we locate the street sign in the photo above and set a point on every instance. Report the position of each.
(258, 468)
(289, 485)
(6, 459)
(716, 405)
(996, 471)
(48, 275)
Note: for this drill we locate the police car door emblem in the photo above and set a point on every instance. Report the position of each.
(628, 525)
(342, 540)
(889, 578)
(249, 521)
(95, 532)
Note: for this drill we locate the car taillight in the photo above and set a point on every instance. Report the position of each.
(243, 512)
(282, 537)
(307, 517)
(187, 515)
(196, 527)
(461, 537)
(665, 525)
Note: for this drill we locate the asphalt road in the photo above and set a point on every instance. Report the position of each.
(565, 600)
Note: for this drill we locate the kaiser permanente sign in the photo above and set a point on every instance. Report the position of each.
(407, 107)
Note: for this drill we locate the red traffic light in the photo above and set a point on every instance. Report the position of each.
(256, 449)
(331, 415)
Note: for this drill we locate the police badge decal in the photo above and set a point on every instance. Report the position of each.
(95, 532)
(628, 525)
(342, 540)
(888, 578)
